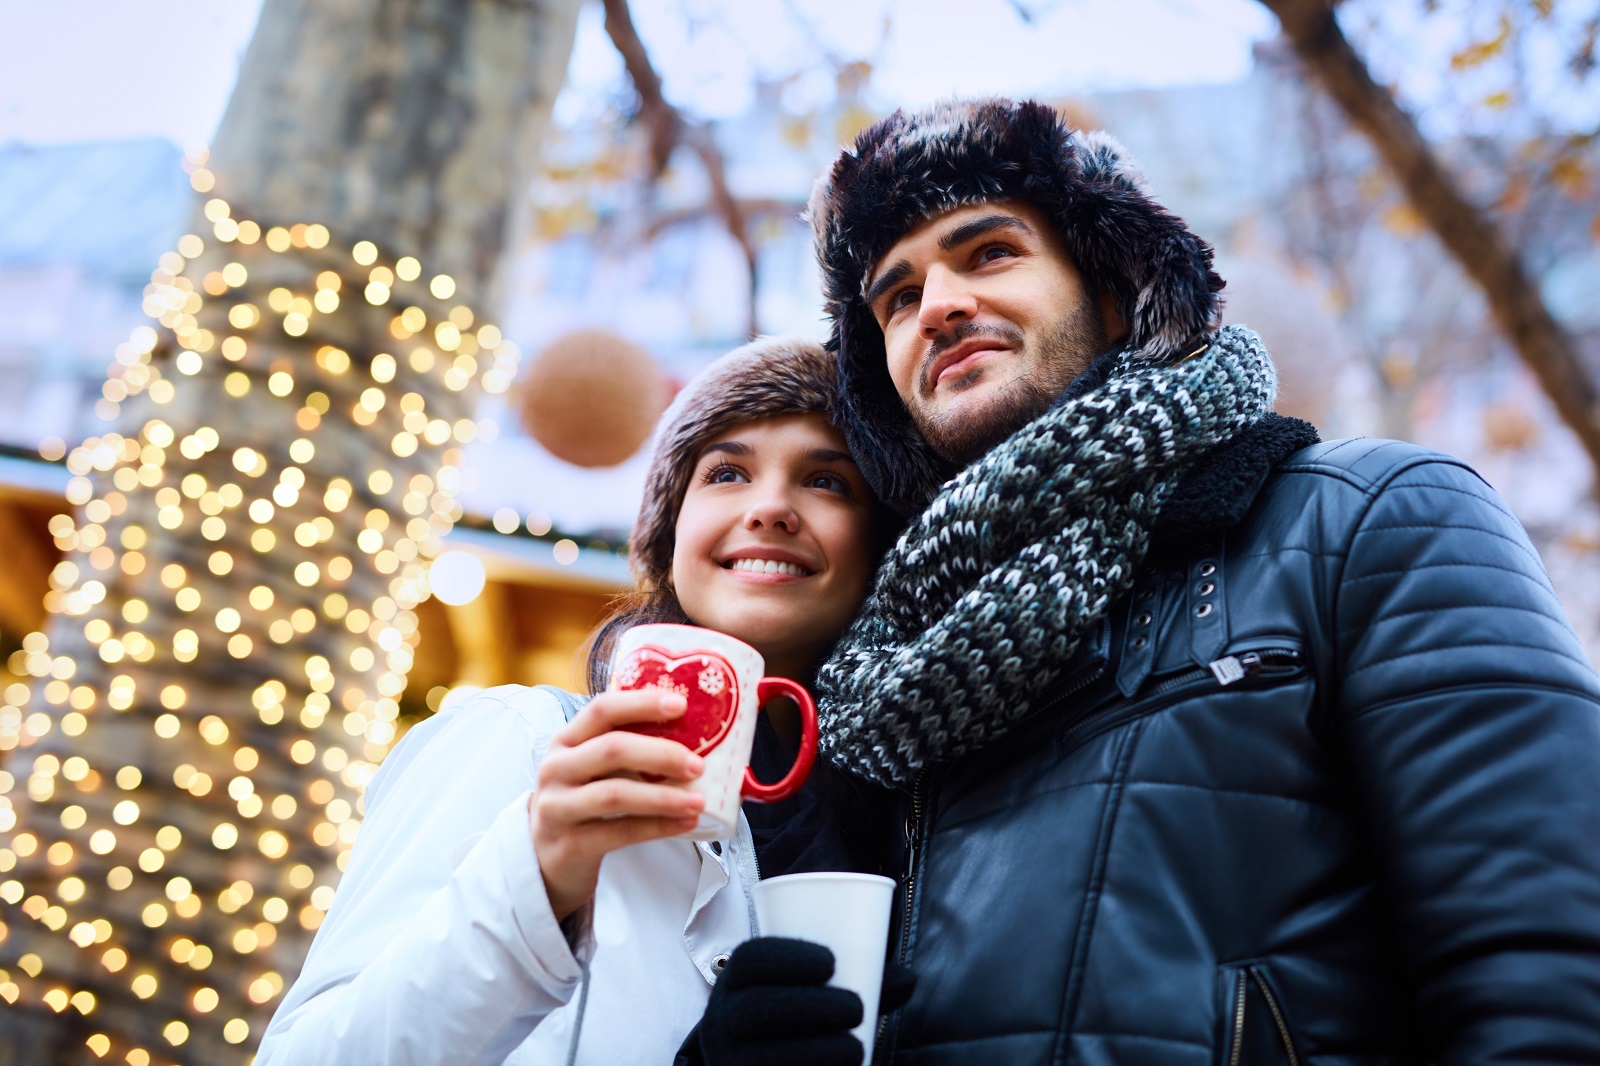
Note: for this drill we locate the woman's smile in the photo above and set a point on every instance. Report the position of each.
(761, 565)
(773, 540)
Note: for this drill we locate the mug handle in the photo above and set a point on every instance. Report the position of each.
(767, 688)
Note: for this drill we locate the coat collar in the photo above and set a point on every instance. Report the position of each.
(1216, 493)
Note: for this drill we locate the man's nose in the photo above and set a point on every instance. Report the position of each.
(946, 298)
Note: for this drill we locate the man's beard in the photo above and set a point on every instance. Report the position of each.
(1065, 352)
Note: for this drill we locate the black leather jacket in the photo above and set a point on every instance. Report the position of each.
(1326, 789)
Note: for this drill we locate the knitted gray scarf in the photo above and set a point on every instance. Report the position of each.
(989, 591)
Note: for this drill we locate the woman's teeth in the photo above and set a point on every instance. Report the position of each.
(768, 566)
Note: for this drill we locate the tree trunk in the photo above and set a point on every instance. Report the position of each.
(232, 626)
(1464, 228)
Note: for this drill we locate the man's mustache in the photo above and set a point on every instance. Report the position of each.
(1004, 332)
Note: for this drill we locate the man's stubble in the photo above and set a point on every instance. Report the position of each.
(1066, 351)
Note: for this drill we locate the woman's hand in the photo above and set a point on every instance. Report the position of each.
(591, 799)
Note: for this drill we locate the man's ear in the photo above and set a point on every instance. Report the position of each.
(1116, 326)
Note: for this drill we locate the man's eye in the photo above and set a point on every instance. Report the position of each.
(993, 252)
(903, 298)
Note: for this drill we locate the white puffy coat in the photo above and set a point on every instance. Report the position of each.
(441, 946)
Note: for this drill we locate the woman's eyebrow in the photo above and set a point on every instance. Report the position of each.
(814, 455)
(730, 447)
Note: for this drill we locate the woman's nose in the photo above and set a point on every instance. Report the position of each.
(946, 298)
(772, 510)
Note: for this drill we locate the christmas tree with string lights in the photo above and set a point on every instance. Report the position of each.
(164, 820)
(232, 620)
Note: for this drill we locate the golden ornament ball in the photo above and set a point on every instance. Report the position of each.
(592, 398)
(1508, 426)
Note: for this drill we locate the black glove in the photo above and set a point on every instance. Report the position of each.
(771, 1007)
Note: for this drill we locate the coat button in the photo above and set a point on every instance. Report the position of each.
(1141, 642)
(720, 963)
(1144, 619)
(1202, 610)
(1207, 569)
(1207, 588)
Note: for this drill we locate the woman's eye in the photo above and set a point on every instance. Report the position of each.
(830, 483)
(723, 475)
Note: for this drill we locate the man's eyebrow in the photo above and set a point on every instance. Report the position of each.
(978, 227)
(886, 281)
(963, 233)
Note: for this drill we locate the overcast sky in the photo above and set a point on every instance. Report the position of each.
(77, 70)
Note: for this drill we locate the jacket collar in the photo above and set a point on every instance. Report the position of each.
(1217, 492)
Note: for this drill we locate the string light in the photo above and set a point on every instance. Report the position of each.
(225, 529)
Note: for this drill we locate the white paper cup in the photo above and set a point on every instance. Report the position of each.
(846, 913)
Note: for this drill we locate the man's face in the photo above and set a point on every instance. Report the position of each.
(985, 320)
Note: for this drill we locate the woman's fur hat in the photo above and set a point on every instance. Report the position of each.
(910, 168)
(765, 378)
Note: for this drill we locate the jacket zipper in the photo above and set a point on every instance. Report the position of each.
(1247, 975)
(913, 831)
(748, 869)
(913, 835)
(1277, 1015)
(1237, 1047)
(1229, 670)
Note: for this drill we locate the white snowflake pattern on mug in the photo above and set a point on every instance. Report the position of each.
(628, 672)
(666, 684)
(713, 681)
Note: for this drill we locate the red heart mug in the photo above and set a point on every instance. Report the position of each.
(721, 679)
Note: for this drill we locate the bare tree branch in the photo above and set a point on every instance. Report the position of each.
(1463, 227)
(668, 129)
(752, 210)
(662, 119)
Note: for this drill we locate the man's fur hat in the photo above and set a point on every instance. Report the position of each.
(768, 377)
(910, 168)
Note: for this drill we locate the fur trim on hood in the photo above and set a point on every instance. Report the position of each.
(910, 168)
(768, 377)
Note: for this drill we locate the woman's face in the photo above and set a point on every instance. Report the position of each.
(773, 539)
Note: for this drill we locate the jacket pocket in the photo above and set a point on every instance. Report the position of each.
(1255, 1029)
(1257, 667)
